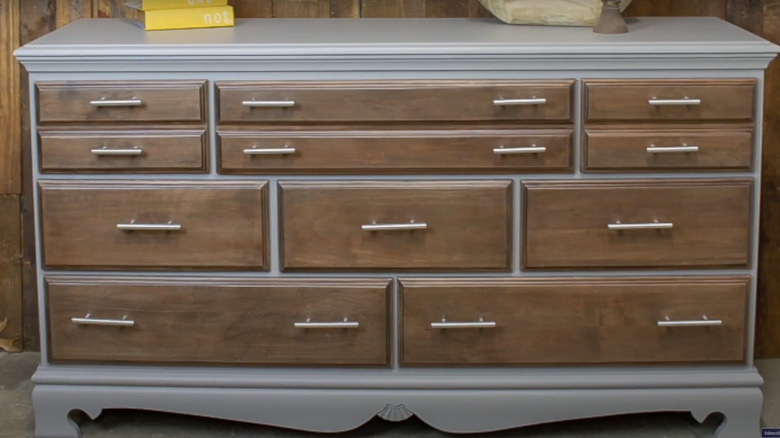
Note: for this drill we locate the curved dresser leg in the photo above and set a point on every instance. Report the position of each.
(742, 417)
(53, 407)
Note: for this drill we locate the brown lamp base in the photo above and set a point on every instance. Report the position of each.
(610, 21)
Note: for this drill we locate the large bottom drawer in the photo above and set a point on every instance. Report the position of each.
(218, 321)
(573, 321)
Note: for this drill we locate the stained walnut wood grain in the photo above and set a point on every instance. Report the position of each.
(393, 101)
(224, 224)
(175, 101)
(468, 225)
(626, 149)
(627, 99)
(163, 150)
(219, 321)
(565, 223)
(394, 151)
(573, 321)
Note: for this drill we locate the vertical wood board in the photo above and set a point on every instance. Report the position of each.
(10, 121)
(301, 8)
(10, 274)
(768, 310)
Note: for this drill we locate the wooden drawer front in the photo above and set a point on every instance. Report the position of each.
(700, 223)
(389, 151)
(661, 149)
(577, 321)
(414, 101)
(121, 101)
(629, 100)
(447, 224)
(232, 322)
(222, 224)
(148, 150)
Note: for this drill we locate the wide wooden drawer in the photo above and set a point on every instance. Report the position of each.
(662, 149)
(154, 224)
(669, 99)
(504, 321)
(119, 151)
(229, 321)
(646, 223)
(394, 101)
(442, 225)
(121, 101)
(395, 151)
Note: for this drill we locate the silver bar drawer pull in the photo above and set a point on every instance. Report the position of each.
(703, 322)
(254, 150)
(481, 323)
(134, 226)
(269, 103)
(619, 226)
(120, 151)
(686, 101)
(395, 227)
(533, 149)
(345, 324)
(653, 149)
(519, 102)
(89, 320)
(116, 102)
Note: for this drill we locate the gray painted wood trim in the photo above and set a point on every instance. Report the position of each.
(396, 44)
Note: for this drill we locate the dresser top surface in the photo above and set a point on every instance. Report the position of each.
(393, 36)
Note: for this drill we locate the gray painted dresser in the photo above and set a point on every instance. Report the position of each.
(309, 223)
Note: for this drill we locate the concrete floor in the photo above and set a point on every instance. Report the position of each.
(16, 418)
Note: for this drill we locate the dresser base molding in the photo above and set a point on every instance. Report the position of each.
(466, 410)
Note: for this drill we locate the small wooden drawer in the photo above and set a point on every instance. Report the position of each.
(155, 224)
(514, 321)
(669, 99)
(394, 151)
(668, 149)
(444, 225)
(394, 101)
(121, 101)
(648, 223)
(230, 321)
(120, 151)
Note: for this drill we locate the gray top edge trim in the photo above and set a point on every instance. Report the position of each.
(415, 378)
(393, 38)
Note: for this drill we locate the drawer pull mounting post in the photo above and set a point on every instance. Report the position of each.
(269, 103)
(653, 149)
(395, 227)
(254, 150)
(481, 323)
(104, 150)
(520, 102)
(686, 101)
(703, 322)
(309, 324)
(133, 226)
(103, 102)
(533, 149)
(641, 226)
(89, 320)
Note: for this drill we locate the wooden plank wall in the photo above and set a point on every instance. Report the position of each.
(24, 20)
(10, 181)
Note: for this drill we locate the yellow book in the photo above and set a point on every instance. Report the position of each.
(150, 5)
(183, 18)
